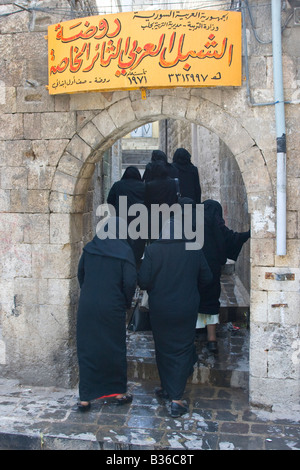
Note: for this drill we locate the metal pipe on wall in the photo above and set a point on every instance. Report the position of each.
(280, 128)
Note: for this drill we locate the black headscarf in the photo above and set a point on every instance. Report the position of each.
(229, 243)
(182, 157)
(133, 173)
(113, 246)
(159, 155)
(159, 170)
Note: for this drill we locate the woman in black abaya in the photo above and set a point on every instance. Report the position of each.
(107, 278)
(172, 274)
(161, 189)
(159, 155)
(220, 243)
(131, 186)
(188, 175)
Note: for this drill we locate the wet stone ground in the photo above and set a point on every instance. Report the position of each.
(219, 418)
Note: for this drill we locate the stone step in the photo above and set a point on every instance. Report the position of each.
(228, 368)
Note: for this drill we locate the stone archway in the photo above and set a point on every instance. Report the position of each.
(76, 165)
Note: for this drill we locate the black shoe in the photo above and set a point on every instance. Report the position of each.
(83, 408)
(122, 401)
(178, 410)
(160, 393)
(212, 346)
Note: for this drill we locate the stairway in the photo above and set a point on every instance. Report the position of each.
(228, 368)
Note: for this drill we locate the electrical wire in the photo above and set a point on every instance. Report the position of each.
(82, 12)
(97, 10)
(254, 28)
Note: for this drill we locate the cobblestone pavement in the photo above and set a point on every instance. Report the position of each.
(219, 416)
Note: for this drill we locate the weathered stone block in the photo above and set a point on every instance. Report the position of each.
(8, 101)
(32, 126)
(31, 200)
(58, 125)
(48, 152)
(293, 226)
(151, 107)
(14, 178)
(104, 123)
(87, 101)
(276, 395)
(259, 310)
(15, 261)
(79, 148)
(283, 308)
(36, 228)
(62, 103)
(11, 126)
(65, 228)
(122, 113)
(12, 226)
(26, 291)
(4, 200)
(64, 183)
(66, 203)
(13, 23)
(15, 153)
(262, 252)
(59, 292)
(262, 216)
(259, 362)
(34, 100)
(40, 176)
(51, 261)
(275, 279)
(292, 258)
(91, 135)
(177, 111)
(69, 165)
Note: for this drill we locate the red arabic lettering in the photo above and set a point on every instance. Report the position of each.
(180, 57)
(76, 62)
(89, 32)
(94, 59)
(63, 65)
(114, 55)
(117, 31)
(131, 54)
(150, 50)
(103, 26)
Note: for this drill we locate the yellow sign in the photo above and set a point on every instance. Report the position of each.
(145, 49)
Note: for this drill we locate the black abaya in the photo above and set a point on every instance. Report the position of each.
(220, 244)
(188, 175)
(172, 275)
(107, 277)
(133, 188)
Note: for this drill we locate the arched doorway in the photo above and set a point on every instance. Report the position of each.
(76, 166)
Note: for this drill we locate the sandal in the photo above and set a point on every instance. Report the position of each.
(178, 410)
(122, 401)
(83, 408)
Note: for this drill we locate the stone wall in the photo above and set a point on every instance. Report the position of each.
(49, 147)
